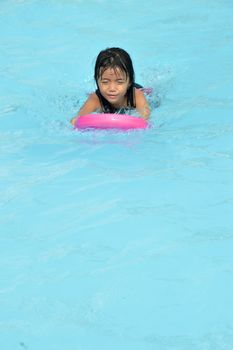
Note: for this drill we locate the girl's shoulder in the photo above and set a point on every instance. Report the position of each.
(141, 103)
(138, 93)
(93, 97)
(91, 105)
(93, 100)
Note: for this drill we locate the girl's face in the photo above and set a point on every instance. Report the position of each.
(113, 85)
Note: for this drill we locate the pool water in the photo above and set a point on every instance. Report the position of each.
(116, 240)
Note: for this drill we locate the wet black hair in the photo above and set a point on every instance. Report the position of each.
(115, 58)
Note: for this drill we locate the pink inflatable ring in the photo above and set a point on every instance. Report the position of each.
(110, 121)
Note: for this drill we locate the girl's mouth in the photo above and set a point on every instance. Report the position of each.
(112, 97)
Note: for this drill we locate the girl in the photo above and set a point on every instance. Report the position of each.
(116, 90)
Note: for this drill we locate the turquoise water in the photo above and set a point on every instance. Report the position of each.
(116, 240)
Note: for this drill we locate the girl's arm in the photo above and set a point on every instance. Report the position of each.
(142, 105)
(91, 105)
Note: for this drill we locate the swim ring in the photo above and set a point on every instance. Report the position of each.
(110, 121)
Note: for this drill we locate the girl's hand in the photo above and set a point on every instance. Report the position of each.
(145, 112)
(73, 121)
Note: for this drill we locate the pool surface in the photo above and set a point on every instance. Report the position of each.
(109, 240)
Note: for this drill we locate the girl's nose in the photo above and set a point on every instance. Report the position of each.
(112, 87)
